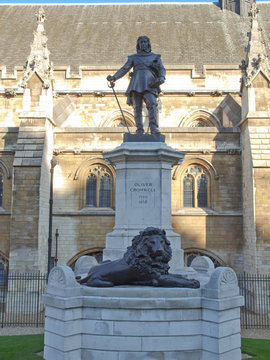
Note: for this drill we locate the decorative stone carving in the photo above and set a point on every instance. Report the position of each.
(10, 92)
(228, 278)
(62, 281)
(234, 151)
(83, 264)
(223, 283)
(203, 264)
(216, 93)
(38, 60)
(257, 59)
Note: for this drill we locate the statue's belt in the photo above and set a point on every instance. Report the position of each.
(140, 67)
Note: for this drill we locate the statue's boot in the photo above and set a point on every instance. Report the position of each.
(151, 105)
(152, 112)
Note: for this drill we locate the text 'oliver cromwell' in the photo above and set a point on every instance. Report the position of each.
(148, 74)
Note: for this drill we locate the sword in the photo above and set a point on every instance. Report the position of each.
(111, 86)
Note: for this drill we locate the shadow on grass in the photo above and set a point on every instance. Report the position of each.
(21, 347)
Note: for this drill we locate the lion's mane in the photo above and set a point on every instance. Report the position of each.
(139, 258)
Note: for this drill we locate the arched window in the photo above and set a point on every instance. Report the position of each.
(99, 187)
(115, 119)
(200, 118)
(1, 188)
(91, 190)
(188, 191)
(195, 187)
(95, 252)
(191, 254)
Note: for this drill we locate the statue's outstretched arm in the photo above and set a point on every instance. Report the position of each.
(121, 72)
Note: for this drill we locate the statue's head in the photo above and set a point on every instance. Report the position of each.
(143, 44)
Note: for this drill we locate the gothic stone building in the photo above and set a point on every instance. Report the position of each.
(55, 104)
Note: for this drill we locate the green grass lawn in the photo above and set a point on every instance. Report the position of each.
(25, 347)
(21, 347)
(259, 349)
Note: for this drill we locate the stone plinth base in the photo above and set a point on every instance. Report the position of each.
(144, 137)
(142, 193)
(140, 323)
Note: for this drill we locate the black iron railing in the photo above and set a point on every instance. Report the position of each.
(256, 291)
(20, 299)
(20, 295)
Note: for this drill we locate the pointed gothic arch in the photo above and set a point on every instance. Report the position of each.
(200, 118)
(115, 119)
(96, 183)
(5, 169)
(96, 252)
(191, 253)
(4, 175)
(193, 183)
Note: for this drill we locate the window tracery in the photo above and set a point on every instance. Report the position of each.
(191, 254)
(196, 187)
(98, 187)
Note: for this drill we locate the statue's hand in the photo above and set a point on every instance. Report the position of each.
(159, 81)
(111, 78)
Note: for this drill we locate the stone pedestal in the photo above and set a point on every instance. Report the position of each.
(142, 323)
(143, 195)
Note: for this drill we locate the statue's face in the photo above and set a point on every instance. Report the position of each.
(143, 44)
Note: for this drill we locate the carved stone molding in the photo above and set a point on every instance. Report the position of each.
(223, 283)
(62, 281)
(10, 92)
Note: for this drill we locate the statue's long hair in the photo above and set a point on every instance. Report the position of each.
(138, 44)
(139, 258)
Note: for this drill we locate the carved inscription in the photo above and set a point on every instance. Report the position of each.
(142, 194)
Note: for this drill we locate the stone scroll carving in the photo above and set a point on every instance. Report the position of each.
(223, 283)
(62, 281)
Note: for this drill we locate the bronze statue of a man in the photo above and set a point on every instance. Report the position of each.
(148, 74)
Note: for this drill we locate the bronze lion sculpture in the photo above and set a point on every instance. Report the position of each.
(144, 263)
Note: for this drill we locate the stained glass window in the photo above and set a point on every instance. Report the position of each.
(99, 187)
(105, 191)
(188, 191)
(202, 191)
(91, 190)
(196, 182)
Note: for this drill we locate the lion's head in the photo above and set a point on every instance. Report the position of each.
(150, 252)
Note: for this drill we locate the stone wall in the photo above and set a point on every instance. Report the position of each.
(86, 116)
(30, 195)
(80, 234)
(92, 104)
(256, 165)
(220, 235)
(7, 148)
(262, 205)
(249, 231)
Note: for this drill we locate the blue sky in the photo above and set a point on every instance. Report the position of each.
(95, 1)
(91, 1)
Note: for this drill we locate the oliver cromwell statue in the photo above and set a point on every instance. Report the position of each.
(148, 74)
